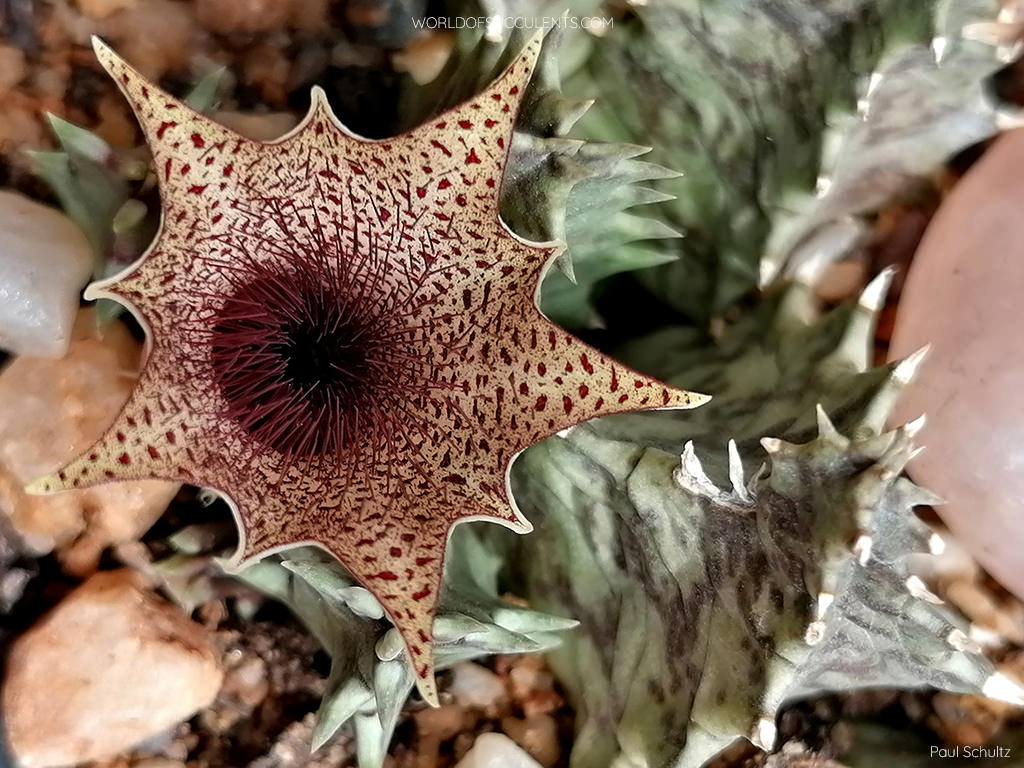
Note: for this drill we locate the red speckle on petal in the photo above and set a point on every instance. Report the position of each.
(472, 157)
(567, 404)
(541, 403)
(124, 458)
(163, 128)
(417, 596)
(197, 141)
(584, 391)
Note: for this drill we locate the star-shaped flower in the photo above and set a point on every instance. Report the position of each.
(344, 339)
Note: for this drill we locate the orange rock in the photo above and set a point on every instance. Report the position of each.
(12, 67)
(52, 410)
(243, 16)
(100, 9)
(109, 667)
(157, 36)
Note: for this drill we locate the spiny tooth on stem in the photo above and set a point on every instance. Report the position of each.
(906, 368)
(826, 429)
(873, 296)
(1002, 688)
(736, 477)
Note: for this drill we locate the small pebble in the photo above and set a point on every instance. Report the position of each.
(477, 687)
(12, 67)
(496, 750)
(44, 262)
(425, 56)
(243, 16)
(111, 666)
(538, 735)
(53, 410)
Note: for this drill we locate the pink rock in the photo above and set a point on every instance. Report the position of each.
(52, 410)
(965, 296)
(110, 666)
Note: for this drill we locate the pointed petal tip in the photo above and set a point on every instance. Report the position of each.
(682, 400)
(44, 485)
(515, 523)
(99, 47)
(92, 292)
(106, 55)
(318, 97)
(427, 687)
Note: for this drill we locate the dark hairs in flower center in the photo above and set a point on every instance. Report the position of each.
(318, 352)
(299, 365)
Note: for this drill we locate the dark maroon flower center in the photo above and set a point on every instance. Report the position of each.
(303, 366)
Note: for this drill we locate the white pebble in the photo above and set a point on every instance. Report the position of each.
(44, 262)
(476, 687)
(496, 750)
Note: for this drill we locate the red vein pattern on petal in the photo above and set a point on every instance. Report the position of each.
(345, 339)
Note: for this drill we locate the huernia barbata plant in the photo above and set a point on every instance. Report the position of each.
(755, 520)
(789, 121)
(717, 578)
(344, 339)
(754, 551)
(370, 677)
